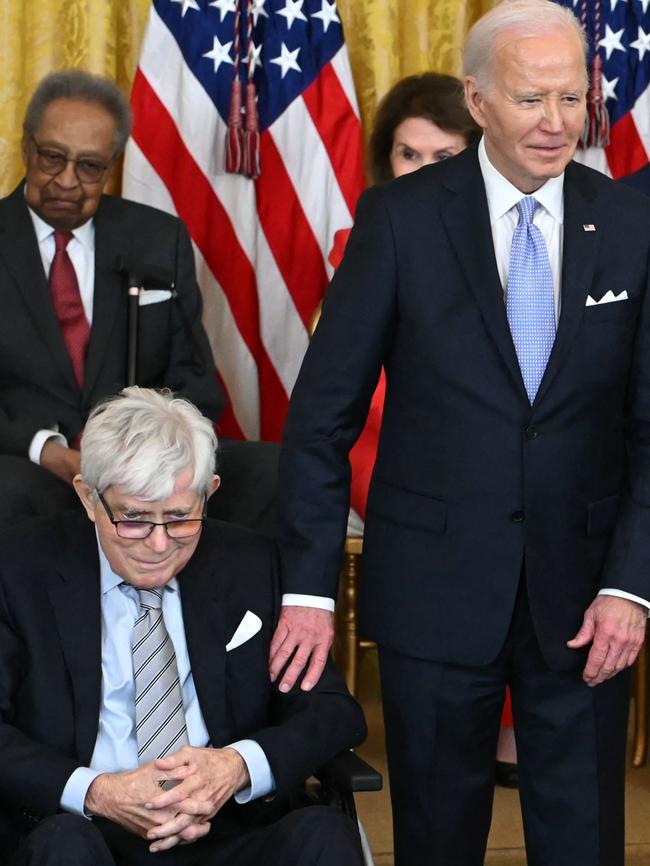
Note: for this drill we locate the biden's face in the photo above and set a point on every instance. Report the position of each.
(532, 109)
(71, 131)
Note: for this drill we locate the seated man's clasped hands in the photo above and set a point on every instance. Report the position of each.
(136, 711)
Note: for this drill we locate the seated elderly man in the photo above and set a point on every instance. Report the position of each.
(67, 252)
(136, 709)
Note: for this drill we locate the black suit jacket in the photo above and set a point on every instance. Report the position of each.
(50, 666)
(37, 386)
(470, 478)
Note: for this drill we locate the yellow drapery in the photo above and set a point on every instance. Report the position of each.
(387, 39)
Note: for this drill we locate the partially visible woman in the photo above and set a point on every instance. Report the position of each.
(421, 120)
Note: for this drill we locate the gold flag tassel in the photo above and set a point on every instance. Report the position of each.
(235, 132)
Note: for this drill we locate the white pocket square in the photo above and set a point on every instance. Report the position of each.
(247, 628)
(153, 296)
(608, 298)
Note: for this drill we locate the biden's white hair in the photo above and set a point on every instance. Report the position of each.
(143, 440)
(524, 17)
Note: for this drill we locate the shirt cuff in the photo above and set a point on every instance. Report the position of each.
(262, 781)
(40, 438)
(620, 593)
(76, 788)
(295, 599)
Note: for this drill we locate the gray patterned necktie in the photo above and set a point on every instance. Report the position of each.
(159, 713)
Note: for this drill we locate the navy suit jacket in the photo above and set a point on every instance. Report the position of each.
(639, 180)
(470, 479)
(37, 386)
(50, 667)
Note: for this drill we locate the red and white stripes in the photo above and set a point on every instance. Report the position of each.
(262, 245)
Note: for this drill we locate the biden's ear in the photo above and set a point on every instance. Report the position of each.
(474, 99)
(85, 494)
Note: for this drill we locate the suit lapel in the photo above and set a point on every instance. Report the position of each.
(467, 222)
(111, 239)
(21, 256)
(74, 591)
(579, 254)
(203, 615)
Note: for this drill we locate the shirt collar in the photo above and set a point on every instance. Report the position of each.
(85, 233)
(502, 196)
(109, 580)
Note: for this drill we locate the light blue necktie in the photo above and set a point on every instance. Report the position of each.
(530, 304)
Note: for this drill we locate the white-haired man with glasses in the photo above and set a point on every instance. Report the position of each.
(135, 701)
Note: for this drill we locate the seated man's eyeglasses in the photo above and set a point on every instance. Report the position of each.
(53, 162)
(181, 527)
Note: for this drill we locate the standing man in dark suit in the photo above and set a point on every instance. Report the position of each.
(65, 249)
(134, 656)
(508, 524)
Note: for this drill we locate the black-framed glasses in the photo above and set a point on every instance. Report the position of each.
(183, 527)
(53, 162)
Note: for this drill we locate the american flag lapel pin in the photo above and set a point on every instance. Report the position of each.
(588, 227)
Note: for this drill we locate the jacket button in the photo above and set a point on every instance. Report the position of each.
(531, 433)
(517, 517)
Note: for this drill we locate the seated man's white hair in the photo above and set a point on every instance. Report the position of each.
(143, 439)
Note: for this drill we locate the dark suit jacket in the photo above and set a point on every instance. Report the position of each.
(470, 478)
(50, 666)
(37, 386)
(638, 180)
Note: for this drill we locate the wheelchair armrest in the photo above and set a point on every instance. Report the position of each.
(349, 772)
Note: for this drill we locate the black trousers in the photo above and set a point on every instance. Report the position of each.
(247, 494)
(314, 836)
(442, 724)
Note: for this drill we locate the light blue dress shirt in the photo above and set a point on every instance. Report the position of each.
(116, 747)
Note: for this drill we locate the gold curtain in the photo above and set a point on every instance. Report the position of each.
(387, 39)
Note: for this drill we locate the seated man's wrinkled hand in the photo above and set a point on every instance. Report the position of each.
(207, 778)
(122, 798)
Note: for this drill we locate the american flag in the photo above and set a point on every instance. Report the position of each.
(261, 244)
(619, 35)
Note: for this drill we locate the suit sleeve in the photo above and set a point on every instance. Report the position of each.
(16, 434)
(628, 562)
(310, 728)
(330, 402)
(191, 370)
(33, 776)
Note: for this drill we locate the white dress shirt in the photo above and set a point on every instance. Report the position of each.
(116, 747)
(81, 250)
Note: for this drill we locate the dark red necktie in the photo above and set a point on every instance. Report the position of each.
(67, 305)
